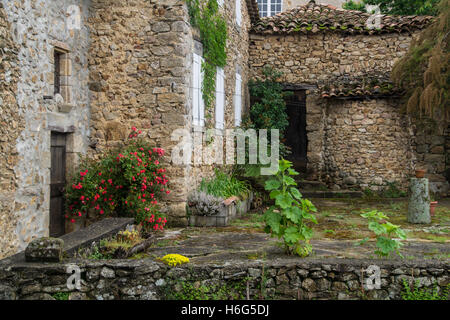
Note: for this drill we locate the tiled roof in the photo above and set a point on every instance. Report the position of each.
(370, 86)
(314, 17)
(253, 11)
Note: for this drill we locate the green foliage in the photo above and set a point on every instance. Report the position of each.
(396, 7)
(96, 254)
(204, 15)
(269, 109)
(224, 186)
(423, 294)
(384, 231)
(61, 295)
(353, 5)
(287, 218)
(424, 72)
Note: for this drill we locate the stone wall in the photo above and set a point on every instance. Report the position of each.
(432, 148)
(286, 278)
(367, 144)
(237, 62)
(140, 64)
(37, 27)
(139, 76)
(318, 58)
(11, 126)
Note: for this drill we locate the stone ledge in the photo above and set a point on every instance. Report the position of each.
(82, 238)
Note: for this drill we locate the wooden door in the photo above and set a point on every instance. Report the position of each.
(296, 136)
(57, 183)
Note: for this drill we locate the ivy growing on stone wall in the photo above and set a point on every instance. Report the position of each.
(204, 15)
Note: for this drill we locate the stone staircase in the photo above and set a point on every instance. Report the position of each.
(317, 189)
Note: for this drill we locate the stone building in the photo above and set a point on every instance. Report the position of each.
(76, 75)
(354, 133)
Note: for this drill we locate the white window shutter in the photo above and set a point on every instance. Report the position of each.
(198, 106)
(238, 101)
(196, 89)
(238, 12)
(202, 102)
(220, 99)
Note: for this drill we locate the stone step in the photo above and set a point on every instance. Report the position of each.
(312, 185)
(331, 194)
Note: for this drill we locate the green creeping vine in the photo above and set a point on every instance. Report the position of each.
(204, 15)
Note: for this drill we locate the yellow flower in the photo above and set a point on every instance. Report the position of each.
(174, 259)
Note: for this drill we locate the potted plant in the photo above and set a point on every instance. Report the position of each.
(420, 173)
(433, 205)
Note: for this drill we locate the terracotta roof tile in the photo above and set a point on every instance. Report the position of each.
(354, 87)
(314, 18)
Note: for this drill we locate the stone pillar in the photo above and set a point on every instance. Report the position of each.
(419, 201)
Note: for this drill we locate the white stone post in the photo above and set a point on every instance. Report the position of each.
(419, 201)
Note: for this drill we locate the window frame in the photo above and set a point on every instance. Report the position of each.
(269, 11)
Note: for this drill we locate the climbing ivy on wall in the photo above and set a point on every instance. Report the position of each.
(204, 15)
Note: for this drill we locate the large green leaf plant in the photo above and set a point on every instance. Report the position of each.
(287, 218)
(389, 236)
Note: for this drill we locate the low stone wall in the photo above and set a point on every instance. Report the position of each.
(285, 278)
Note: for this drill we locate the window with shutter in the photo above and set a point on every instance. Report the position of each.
(198, 108)
(220, 99)
(238, 13)
(238, 101)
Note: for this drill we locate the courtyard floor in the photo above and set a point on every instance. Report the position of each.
(336, 235)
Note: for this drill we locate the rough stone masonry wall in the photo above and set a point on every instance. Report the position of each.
(367, 143)
(139, 76)
(11, 126)
(432, 148)
(237, 61)
(315, 60)
(282, 279)
(37, 26)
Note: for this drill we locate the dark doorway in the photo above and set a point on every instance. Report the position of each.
(57, 183)
(296, 138)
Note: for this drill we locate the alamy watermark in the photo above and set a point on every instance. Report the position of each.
(74, 280)
(73, 17)
(207, 148)
(374, 21)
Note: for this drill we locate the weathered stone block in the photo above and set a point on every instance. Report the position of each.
(44, 250)
(419, 201)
